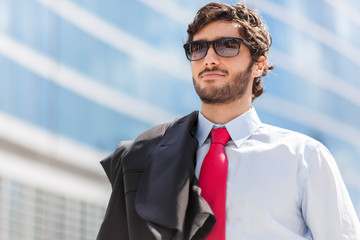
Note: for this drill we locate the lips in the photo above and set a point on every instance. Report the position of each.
(214, 72)
(212, 75)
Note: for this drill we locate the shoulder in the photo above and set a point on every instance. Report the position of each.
(146, 141)
(154, 132)
(136, 151)
(290, 147)
(160, 130)
(297, 143)
(274, 133)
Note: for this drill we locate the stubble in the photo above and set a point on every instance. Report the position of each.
(227, 93)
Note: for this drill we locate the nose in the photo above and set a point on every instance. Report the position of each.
(211, 58)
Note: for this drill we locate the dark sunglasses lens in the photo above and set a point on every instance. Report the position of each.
(227, 47)
(196, 50)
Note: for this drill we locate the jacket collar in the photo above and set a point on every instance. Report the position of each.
(168, 194)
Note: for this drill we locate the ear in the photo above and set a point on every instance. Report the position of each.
(258, 67)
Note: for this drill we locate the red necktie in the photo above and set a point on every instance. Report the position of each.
(212, 180)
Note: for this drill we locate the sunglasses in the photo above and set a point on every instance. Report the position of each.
(224, 47)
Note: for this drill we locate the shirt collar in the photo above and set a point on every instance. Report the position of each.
(240, 128)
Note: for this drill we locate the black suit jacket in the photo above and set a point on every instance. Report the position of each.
(155, 194)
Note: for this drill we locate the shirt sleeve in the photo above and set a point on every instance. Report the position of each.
(326, 206)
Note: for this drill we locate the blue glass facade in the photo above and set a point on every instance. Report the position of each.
(314, 88)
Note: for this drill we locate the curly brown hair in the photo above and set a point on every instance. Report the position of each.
(251, 28)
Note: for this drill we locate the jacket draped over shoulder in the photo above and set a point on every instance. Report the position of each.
(155, 194)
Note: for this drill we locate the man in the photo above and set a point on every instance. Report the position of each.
(266, 184)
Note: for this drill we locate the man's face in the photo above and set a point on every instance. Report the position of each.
(218, 79)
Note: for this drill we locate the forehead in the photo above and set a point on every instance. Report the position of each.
(217, 30)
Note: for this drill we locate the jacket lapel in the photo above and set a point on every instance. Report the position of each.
(168, 194)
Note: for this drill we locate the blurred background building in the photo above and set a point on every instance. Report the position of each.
(78, 76)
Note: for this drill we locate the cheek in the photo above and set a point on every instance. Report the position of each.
(195, 68)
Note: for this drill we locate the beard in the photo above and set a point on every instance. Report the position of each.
(230, 92)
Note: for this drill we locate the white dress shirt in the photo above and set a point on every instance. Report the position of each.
(281, 185)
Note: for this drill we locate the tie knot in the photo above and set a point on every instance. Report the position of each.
(219, 135)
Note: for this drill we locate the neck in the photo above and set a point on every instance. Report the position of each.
(225, 112)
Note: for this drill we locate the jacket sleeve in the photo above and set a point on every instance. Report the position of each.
(115, 225)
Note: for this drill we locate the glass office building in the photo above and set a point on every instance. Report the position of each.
(78, 76)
